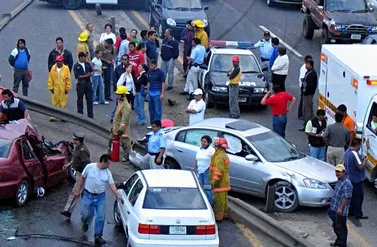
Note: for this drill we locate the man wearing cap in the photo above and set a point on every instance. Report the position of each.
(59, 83)
(80, 158)
(200, 33)
(339, 206)
(121, 121)
(83, 71)
(234, 75)
(89, 28)
(82, 46)
(265, 47)
(62, 51)
(196, 108)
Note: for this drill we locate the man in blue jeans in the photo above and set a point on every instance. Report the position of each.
(155, 91)
(279, 108)
(95, 177)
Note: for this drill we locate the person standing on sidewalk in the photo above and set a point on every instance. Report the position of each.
(155, 91)
(94, 179)
(186, 38)
(121, 124)
(135, 58)
(107, 61)
(60, 50)
(19, 59)
(348, 122)
(89, 28)
(279, 108)
(196, 108)
(309, 87)
(301, 78)
(336, 136)
(123, 48)
(314, 129)
(265, 47)
(83, 71)
(59, 84)
(156, 146)
(279, 69)
(119, 70)
(151, 45)
(355, 166)
(141, 89)
(169, 53)
(339, 206)
(234, 75)
(80, 158)
(97, 80)
(82, 46)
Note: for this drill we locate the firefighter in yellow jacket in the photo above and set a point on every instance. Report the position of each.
(59, 83)
(82, 46)
(219, 175)
(121, 121)
(200, 33)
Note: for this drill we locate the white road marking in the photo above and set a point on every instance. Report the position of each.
(282, 42)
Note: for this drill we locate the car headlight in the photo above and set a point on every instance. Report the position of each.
(220, 89)
(314, 184)
(205, 22)
(338, 28)
(374, 29)
(260, 90)
(171, 22)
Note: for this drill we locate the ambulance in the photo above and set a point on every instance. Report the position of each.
(348, 75)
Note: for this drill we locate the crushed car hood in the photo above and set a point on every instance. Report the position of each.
(349, 18)
(248, 79)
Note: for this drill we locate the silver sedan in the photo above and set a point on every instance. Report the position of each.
(259, 158)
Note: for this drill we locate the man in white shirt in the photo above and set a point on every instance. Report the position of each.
(303, 71)
(196, 108)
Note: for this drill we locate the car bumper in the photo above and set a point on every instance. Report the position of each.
(136, 242)
(139, 158)
(8, 189)
(314, 197)
(346, 37)
(243, 99)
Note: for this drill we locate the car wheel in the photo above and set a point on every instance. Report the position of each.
(286, 199)
(117, 217)
(325, 35)
(270, 3)
(72, 4)
(22, 194)
(308, 27)
(71, 175)
(171, 164)
(208, 100)
(160, 31)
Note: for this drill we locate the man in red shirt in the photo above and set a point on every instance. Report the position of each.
(279, 108)
(118, 40)
(135, 58)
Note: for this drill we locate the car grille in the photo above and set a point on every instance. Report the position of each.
(181, 23)
(332, 185)
(357, 29)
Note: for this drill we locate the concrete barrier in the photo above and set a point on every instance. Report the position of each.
(9, 16)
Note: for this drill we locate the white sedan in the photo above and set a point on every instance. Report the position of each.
(165, 208)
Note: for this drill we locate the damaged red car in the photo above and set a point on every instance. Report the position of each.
(28, 162)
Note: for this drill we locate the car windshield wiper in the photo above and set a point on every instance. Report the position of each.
(291, 158)
(360, 11)
(340, 10)
(219, 71)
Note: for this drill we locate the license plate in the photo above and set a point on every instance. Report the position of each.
(355, 36)
(177, 230)
(242, 100)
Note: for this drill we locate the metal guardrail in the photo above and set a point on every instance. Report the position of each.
(63, 114)
(254, 218)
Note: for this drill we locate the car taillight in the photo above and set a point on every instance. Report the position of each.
(148, 229)
(205, 230)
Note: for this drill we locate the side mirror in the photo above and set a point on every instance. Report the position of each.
(320, 8)
(251, 157)
(206, 8)
(264, 67)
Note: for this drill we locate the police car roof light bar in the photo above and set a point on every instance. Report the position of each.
(231, 44)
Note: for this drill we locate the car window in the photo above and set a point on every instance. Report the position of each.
(237, 146)
(274, 148)
(346, 5)
(180, 137)
(193, 136)
(372, 118)
(174, 198)
(223, 63)
(27, 151)
(5, 146)
(130, 182)
(178, 4)
(135, 192)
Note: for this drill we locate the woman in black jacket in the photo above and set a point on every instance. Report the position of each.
(140, 89)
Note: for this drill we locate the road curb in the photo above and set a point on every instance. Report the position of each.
(9, 16)
(254, 218)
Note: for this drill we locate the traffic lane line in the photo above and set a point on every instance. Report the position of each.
(249, 235)
(352, 231)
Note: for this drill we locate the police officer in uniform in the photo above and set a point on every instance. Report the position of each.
(121, 121)
(156, 146)
(80, 158)
(266, 49)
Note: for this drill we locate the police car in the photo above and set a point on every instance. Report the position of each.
(213, 79)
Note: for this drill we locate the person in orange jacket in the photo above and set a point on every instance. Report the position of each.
(200, 33)
(59, 83)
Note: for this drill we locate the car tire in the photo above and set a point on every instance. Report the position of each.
(22, 194)
(171, 164)
(325, 35)
(308, 27)
(117, 218)
(270, 3)
(208, 99)
(72, 4)
(71, 175)
(286, 199)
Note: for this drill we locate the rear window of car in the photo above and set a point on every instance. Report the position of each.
(174, 199)
(5, 146)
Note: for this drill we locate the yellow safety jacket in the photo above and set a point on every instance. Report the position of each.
(60, 82)
(236, 80)
(203, 36)
(121, 121)
(219, 171)
(83, 47)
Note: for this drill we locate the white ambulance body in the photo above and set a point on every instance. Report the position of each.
(348, 75)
